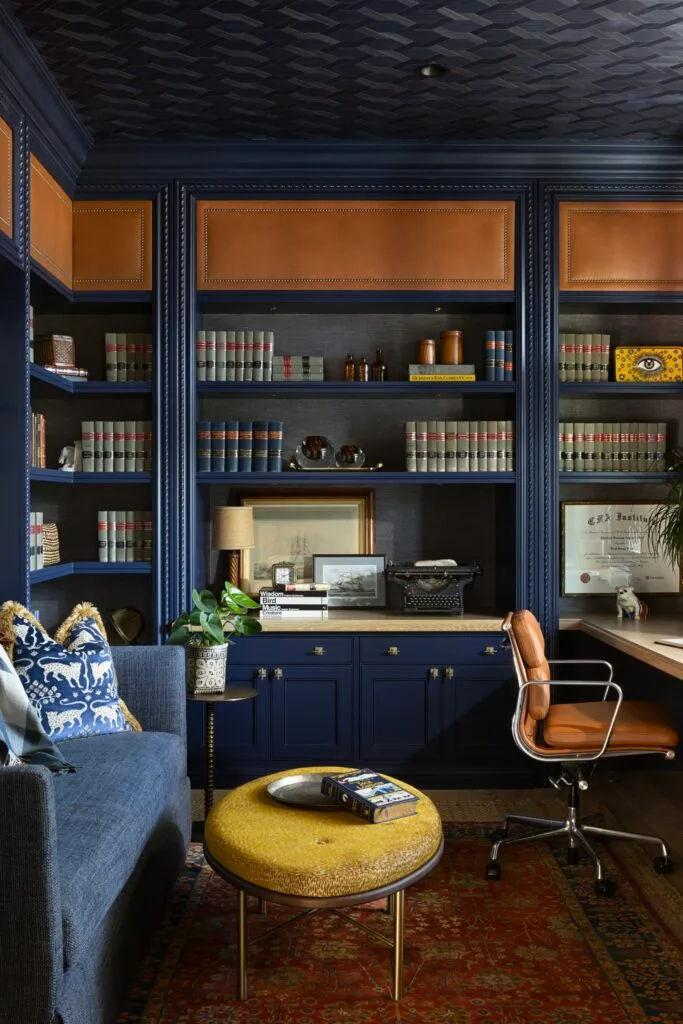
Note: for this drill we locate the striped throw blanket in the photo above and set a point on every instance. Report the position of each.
(22, 738)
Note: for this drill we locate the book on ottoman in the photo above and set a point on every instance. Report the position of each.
(369, 795)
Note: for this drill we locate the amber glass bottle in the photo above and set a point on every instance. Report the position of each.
(349, 368)
(361, 369)
(378, 370)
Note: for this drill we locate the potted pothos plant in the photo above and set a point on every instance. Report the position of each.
(207, 630)
(665, 525)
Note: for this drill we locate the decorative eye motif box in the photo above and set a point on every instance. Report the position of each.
(664, 363)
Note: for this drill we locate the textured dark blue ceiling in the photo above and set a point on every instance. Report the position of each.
(323, 69)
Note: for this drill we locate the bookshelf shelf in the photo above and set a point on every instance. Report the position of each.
(58, 476)
(54, 572)
(354, 389)
(613, 478)
(360, 479)
(44, 383)
(618, 389)
(257, 301)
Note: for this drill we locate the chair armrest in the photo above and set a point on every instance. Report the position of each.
(151, 680)
(572, 682)
(32, 958)
(583, 661)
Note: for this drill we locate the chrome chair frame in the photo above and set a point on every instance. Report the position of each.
(575, 774)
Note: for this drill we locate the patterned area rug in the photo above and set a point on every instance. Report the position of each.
(538, 947)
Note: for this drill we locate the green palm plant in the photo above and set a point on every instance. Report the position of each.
(212, 621)
(665, 525)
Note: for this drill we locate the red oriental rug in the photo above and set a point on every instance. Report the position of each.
(538, 947)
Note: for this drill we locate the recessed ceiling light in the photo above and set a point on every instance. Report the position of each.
(432, 70)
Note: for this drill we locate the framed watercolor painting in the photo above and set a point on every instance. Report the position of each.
(293, 527)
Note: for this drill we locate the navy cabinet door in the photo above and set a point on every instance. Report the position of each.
(401, 714)
(241, 727)
(312, 714)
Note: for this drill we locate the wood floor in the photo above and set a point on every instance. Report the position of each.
(650, 802)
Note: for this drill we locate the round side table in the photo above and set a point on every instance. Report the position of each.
(229, 694)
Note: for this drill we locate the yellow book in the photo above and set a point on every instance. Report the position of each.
(441, 376)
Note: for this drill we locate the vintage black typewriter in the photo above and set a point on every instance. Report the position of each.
(430, 589)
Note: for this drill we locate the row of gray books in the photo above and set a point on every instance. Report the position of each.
(459, 446)
(612, 447)
(36, 542)
(583, 357)
(128, 356)
(235, 355)
(124, 536)
(116, 446)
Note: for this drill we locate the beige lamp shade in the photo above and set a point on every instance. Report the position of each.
(233, 527)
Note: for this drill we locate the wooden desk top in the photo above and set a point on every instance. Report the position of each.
(384, 620)
(636, 638)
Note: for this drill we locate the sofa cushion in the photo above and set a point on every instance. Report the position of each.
(106, 811)
(69, 680)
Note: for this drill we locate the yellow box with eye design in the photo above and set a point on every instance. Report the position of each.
(654, 364)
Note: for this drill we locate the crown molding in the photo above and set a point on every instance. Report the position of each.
(301, 162)
(56, 135)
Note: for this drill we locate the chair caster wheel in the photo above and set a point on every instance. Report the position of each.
(605, 887)
(663, 865)
(497, 834)
(572, 855)
(493, 871)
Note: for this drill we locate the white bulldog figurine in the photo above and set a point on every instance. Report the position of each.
(629, 605)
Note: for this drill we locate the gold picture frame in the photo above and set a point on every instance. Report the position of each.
(292, 526)
(605, 546)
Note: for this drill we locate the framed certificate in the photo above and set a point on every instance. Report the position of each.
(605, 546)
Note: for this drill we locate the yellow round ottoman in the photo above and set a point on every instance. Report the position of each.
(318, 859)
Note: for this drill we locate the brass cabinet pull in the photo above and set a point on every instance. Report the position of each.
(489, 651)
(393, 651)
(449, 673)
(434, 673)
(261, 673)
(277, 673)
(319, 650)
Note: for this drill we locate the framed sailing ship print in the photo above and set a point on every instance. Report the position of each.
(293, 527)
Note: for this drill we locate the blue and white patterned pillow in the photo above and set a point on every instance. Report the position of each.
(70, 680)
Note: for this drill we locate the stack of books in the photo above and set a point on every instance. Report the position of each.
(239, 446)
(124, 536)
(295, 601)
(612, 447)
(241, 356)
(584, 357)
(37, 444)
(459, 446)
(117, 446)
(128, 356)
(499, 356)
(298, 368)
(36, 556)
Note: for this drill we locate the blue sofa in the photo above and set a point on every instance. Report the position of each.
(87, 859)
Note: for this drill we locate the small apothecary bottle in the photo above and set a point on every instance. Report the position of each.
(426, 352)
(378, 370)
(349, 368)
(362, 369)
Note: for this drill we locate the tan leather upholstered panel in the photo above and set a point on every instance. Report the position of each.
(51, 224)
(113, 245)
(615, 246)
(346, 245)
(5, 178)
(531, 643)
(640, 725)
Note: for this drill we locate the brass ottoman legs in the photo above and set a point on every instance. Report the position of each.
(399, 901)
(241, 944)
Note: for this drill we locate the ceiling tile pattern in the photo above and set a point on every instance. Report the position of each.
(540, 70)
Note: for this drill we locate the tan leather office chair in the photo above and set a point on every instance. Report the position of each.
(576, 737)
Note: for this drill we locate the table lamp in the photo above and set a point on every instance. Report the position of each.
(233, 531)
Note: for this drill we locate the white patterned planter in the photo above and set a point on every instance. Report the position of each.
(205, 667)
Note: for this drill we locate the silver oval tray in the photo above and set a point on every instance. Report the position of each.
(302, 791)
